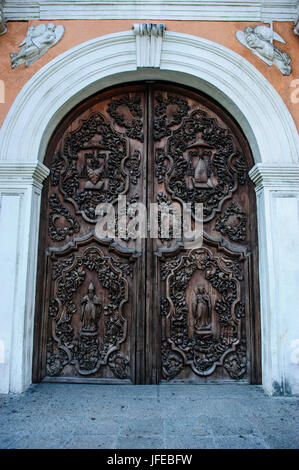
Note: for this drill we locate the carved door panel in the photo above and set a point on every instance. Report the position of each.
(89, 291)
(149, 310)
(209, 313)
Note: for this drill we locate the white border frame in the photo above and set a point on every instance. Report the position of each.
(109, 60)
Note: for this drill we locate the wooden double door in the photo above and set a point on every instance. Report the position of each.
(153, 309)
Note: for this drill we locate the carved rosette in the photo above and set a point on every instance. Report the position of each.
(87, 349)
(206, 349)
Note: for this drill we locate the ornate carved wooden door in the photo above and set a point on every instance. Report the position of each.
(149, 310)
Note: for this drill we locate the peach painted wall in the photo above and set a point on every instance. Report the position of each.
(78, 31)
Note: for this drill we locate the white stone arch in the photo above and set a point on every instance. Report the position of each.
(109, 60)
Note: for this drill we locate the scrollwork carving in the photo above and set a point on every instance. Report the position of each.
(234, 266)
(232, 223)
(119, 364)
(38, 41)
(167, 267)
(172, 362)
(56, 166)
(236, 362)
(169, 218)
(57, 210)
(240, 310)
(194, 332)
(259, 40)
(60, 265)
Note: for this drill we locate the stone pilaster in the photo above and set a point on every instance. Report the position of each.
(20, 194)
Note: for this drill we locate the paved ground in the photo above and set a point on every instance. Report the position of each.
(153, 417)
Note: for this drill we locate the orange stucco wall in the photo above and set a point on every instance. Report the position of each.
(78, 31)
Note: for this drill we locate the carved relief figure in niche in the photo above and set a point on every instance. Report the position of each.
(90, 311)
(201, 310)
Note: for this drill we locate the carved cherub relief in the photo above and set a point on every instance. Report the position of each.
(259, 40)
(38, 41)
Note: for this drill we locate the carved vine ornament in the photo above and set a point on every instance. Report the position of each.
(192, 340)
(83, 349)
(296, 26)
(198, 163)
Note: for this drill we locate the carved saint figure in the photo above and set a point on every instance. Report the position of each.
(38, 40)
(91, 308)
(202, 309)
(260, 41)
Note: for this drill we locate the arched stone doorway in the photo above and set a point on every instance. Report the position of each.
(154, 310)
